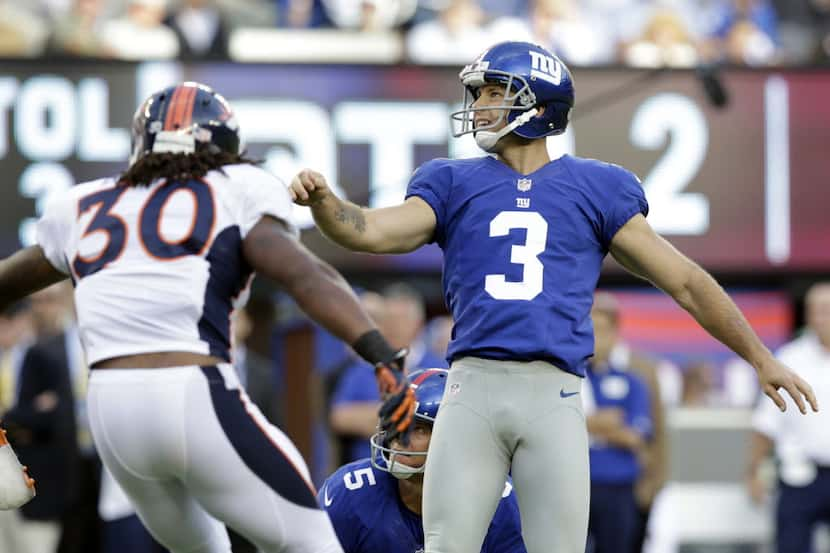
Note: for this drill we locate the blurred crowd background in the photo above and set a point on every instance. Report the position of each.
(641, 33)
(681, 432)
(705, 479)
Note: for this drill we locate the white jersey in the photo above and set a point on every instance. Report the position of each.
(798, 437)
(159, 267)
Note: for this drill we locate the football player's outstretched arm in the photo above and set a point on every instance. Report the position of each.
(643, 252)
(397, 229)
(24, 272)
(317, 287)
(327, 298)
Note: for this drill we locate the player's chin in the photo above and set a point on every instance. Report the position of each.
(410, 462)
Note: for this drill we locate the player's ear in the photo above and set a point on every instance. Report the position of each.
(540, 110)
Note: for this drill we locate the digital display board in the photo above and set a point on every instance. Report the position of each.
(652, 322)
(741, 189)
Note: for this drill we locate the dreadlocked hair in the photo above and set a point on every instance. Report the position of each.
(179, 166)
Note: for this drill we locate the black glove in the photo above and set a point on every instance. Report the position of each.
(398, 397)
(391, 375)
(388, 363)
(396, 415)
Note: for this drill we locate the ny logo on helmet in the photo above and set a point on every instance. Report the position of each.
(545, 67)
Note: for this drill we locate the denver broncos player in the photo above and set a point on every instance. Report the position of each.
(375, 503)
(159, 258)
(524, 238)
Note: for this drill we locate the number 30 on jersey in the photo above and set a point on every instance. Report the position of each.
(156, 246)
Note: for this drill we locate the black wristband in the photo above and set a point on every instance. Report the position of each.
(374, 348)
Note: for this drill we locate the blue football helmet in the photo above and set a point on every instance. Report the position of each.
(533, 78)
(428, 385)
(185, 118)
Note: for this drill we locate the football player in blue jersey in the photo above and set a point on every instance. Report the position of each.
(375, 503)
(524, 238)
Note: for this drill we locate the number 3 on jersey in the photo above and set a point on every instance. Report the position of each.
(149, 221)
(526, 254)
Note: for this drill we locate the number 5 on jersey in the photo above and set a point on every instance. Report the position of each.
(354, 480)
(116, 229)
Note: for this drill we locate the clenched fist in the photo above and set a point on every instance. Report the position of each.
(308, 188)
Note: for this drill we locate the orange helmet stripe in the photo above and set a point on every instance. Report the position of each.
(423, 376)
(172, 105)
(188, 102)
(180, 108)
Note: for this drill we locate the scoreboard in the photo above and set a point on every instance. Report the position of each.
(741, 189)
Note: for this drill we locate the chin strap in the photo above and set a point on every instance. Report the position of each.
(405, 472)
(487, 140)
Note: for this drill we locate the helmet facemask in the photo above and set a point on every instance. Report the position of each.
(429, 389)
(518, 97)
(381, 449)
(140, 118)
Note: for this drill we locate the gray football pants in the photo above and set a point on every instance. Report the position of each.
(501, 414)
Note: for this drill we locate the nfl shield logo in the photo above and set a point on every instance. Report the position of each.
(523, 185)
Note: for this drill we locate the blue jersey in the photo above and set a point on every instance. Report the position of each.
(522, 253)
(369, 516)
(613, 388)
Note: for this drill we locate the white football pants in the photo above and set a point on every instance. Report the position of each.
(501, 414)
(188, 447)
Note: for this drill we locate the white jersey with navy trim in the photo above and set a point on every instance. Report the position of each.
(159, 267)
(189, 449)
